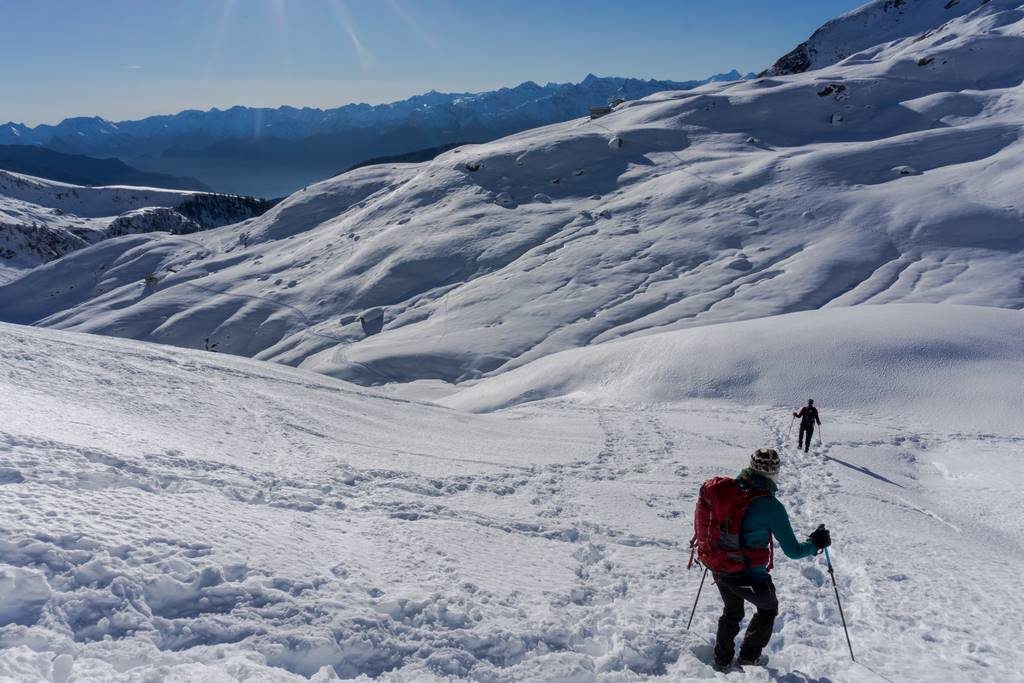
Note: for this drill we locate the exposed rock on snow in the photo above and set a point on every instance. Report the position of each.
(741, 262)
(153, 219)
(372, 321)
(505, 199)
(906, 170)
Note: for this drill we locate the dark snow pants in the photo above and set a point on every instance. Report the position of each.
(807, 430)
(735, 590)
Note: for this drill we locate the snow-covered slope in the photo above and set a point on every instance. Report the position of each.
(42, 220)
(866, 28)
(893, 177)
(933, 365)
(171, 514)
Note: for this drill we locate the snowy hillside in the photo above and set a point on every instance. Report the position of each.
(893, 177)
(179, 515)
(41, 220)
(898, 361)
(874, 24)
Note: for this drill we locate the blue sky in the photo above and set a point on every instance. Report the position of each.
(129, 58)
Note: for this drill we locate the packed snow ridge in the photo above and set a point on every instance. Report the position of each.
(891, 176)
(42, 220)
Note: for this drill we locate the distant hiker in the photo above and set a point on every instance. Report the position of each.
(734, 524)
(808, 418)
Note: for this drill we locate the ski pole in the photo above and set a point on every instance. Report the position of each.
(819, 435)
(790, 432)
(694, 610)
(831, 573)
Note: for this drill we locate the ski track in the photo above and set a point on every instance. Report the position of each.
(621, 516)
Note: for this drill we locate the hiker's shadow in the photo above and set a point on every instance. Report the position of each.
(794, 677)
(706, 654)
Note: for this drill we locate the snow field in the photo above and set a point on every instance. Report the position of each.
(171, 514)
(892, 360)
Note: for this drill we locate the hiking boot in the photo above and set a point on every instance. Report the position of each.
(719, 665)
(760, 660)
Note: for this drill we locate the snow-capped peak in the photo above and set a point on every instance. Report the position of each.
(876, 23)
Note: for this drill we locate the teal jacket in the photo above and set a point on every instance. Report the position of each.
(767, 517)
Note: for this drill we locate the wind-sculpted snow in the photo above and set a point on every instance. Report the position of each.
(924, 363)
(168, 514)
(890, 177)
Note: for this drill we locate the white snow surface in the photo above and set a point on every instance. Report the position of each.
(83, 201)
(729, 202)
(42, 220)
(596, 347)
(171, 514)
(855, 34)
(958, 367)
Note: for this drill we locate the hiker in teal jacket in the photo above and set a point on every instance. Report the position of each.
(765, 518)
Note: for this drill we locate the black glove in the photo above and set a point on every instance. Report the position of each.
(821, 538)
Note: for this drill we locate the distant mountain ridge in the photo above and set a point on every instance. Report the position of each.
(78, 169)
(527, 99)
(272, 152)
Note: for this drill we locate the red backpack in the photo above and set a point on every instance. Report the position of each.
(721, 505)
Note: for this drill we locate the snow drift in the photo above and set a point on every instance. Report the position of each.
(961, 367)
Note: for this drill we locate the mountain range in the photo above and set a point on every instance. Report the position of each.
(272, 152)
